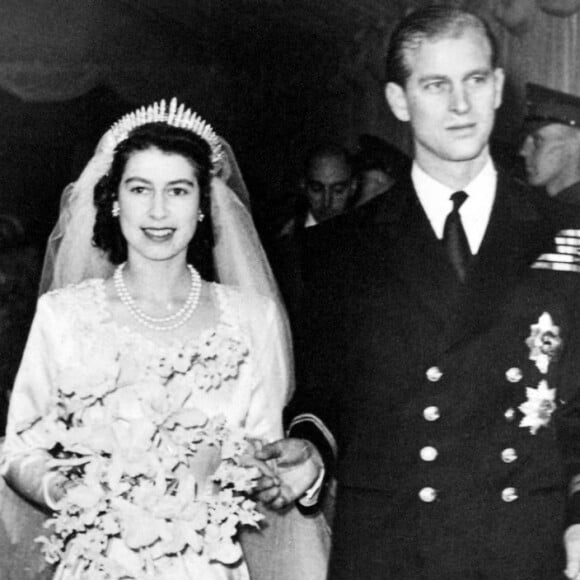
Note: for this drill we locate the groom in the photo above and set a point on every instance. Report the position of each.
(439, 363)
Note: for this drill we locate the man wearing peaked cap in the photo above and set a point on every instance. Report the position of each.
(551, 148)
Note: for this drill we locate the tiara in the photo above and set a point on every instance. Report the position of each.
(176, 116)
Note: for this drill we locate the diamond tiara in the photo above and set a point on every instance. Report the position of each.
(176, 116)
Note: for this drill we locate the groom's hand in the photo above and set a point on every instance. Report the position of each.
(572, 545)
(298, 466)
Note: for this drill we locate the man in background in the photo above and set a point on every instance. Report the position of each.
(327, 187)
(551, 147)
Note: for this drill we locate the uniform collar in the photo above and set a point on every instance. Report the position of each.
(570, 195)
(475, 212)
(310, 220)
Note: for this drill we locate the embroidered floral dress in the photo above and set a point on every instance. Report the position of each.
(234, 374)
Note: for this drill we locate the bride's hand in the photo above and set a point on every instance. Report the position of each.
(57, 486)
(264, 469)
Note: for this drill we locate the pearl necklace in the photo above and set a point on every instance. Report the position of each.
(168, 322)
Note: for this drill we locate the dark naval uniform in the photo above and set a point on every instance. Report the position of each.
(570, 194)
(449, 413)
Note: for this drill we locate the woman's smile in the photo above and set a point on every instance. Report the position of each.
(159, 234)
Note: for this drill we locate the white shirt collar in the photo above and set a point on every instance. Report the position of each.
(310, 220)
(475, 211)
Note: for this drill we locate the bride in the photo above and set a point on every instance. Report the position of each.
(146, 385)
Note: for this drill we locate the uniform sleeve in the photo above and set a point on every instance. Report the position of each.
(312, 414)
(568, 417)
(272, 365)
(26, 448)
(321, 346)
(569, 436)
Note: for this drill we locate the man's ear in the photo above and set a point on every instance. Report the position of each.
(499, 77)
(397, 100)
(575, 145)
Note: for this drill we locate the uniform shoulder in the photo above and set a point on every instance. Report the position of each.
(334, 239)
(568, 215)
(534, 203)
(564, 223)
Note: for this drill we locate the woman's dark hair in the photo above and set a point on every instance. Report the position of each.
(431, 23)
(107, 233)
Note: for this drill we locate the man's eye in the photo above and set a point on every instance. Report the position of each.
(435, 86)
(178, 191)
(478, 79)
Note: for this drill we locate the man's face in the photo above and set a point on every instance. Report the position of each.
(329, 186)
(450, 98)
(545, 152)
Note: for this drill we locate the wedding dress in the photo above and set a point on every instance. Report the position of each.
(75, 344)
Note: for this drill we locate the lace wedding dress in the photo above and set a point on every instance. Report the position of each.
(76, 347)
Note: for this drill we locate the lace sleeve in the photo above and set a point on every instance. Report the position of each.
(273, 373)
(25, 451)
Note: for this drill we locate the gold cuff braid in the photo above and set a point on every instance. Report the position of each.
(574, 485)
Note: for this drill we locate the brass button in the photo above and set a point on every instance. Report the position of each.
(428, 494)
(509, 494)
(509, 455)
(431, 413)
(433, 374)
(510, 414)
(428, 453)
(514, 375)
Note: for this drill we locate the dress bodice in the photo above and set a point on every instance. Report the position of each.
(88, 380)
(233, 368)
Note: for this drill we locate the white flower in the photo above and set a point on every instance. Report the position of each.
(153, 472)
(538, 408)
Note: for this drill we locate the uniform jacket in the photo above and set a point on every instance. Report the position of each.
(448, 413)
(570, 194)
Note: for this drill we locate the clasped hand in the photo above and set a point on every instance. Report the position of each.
(289, 468)
(572, 545)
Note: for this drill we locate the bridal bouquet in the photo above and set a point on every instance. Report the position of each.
(151, 476)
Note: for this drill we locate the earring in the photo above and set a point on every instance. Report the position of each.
(200, 216)
(116, 209)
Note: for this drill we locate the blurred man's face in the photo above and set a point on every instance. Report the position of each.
(329, 187)
(546, 152)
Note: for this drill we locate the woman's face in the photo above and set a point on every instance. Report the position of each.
(158, 200)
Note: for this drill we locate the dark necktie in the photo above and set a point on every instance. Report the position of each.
(454, 237)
